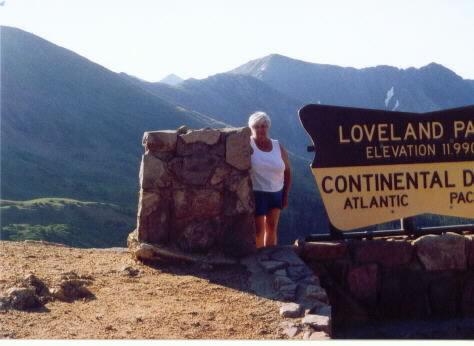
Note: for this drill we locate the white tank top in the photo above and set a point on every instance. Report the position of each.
(267, 171)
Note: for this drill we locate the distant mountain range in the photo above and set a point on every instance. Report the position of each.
(72, 128)
(431, 87)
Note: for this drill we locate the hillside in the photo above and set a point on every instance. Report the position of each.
(70, 127)
(138, 302)
(66, 221)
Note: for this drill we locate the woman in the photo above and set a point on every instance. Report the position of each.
(271, 179)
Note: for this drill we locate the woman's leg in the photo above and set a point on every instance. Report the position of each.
(271, 222)
(260, 227)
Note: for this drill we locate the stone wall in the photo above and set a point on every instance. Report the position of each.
(396, 278)
(278, 273)
(196, 192)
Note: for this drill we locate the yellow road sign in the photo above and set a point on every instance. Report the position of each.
(374, 166)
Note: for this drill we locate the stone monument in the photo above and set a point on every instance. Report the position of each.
(195, 198)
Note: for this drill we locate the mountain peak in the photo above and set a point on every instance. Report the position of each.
(434, 67)
(172, 79)
(435, 64)
(275, 56)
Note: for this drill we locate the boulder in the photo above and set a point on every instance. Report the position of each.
(193, 169)
(197, 203)
(4, 303)
(316, 292)
(271, 266)
(220, 174)
(324, 310)
(72, 287)
(23, 298)
(159, 141)
(199, 149)
(183, 129)
(298, 272)
(153, 217)
(31, 280)
(388, 253)
(288, 255)
(148, 202)
(72, 275)
(29, 293)
(238, 149)
(280, 272)
(207, 136)
(164, 156)
(153, 173)
(290, 328)
(319, 308)
(292, 331)
(318, 336)
(321, 251)
(241, 198)
(310, 280)
(144, 251)
(291, 310)
(199, 235)
(280, 281)
(288, 292)
(155, 228)
(442, 252)
(129, 271)
(363, 282)
(318, 322)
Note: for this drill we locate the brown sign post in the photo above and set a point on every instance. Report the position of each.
(373, 166)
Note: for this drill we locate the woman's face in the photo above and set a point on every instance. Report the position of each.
(260, 129)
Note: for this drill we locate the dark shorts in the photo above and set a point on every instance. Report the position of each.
(264, 201)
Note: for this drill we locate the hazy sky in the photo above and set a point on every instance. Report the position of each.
(150, 39)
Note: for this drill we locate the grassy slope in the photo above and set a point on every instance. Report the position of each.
(67, 221)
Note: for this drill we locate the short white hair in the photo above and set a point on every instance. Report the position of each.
(258, 117)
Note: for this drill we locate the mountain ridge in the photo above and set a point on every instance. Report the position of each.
(431, 87)
(69, 112)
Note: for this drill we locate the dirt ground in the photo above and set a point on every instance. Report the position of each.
(163, 302)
